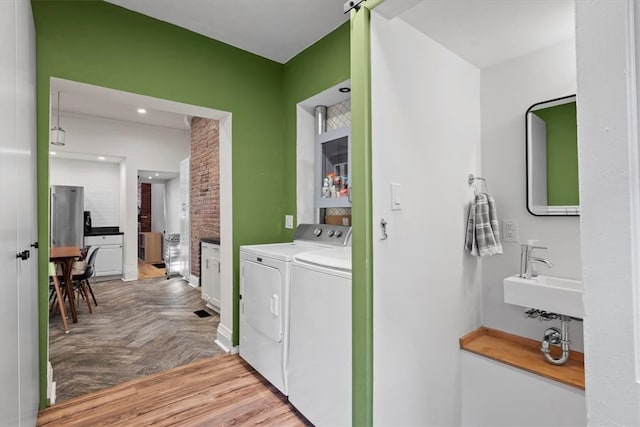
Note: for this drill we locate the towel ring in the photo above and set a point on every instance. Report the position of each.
(471, 179)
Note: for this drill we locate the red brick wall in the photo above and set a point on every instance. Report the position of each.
(205, 185)
(145, 207)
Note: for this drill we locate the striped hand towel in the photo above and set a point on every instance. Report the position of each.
(483, 237)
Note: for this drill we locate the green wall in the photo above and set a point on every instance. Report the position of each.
(102, 44)
(562, 154)
(320, 66)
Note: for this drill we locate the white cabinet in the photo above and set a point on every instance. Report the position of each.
(488, 397)
(210, 274)
(109, 257)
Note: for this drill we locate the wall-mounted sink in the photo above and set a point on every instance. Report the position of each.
(552, 294)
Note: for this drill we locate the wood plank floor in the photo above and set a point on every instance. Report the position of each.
(138, 328)
(220, 391)
(148, 271)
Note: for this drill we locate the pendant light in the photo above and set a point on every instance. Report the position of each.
(56, 136)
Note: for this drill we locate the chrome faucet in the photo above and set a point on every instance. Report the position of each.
(527, 260)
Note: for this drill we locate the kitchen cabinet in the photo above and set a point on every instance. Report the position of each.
(109, 258)
(333, 158)
(150, 247)
(210, 274)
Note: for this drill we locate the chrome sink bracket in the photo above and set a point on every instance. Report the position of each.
(555, 336)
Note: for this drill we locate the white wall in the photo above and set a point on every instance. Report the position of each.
(508, 90)
(158, 209)
(172, 198)
(610, 202)
(101, 182)
(427, 290)
(142, 147)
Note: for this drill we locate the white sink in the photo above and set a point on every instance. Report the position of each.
(552, 294)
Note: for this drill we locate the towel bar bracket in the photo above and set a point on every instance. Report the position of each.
(471, 178)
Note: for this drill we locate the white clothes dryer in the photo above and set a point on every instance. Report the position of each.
(265, 272)
(320, 336)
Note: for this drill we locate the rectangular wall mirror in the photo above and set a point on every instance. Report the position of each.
(552, 158)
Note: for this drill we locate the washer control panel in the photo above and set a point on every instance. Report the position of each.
(335, 235)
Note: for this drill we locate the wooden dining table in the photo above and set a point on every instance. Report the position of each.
(64, 256)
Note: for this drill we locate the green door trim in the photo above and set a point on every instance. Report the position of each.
(362, 282)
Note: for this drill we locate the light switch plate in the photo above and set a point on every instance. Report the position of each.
(395, 197)
(288, 221)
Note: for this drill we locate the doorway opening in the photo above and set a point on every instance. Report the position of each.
(121, 150)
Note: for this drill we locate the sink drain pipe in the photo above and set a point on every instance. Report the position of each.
(557, 336)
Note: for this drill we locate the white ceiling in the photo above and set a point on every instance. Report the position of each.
(87, 99)
(274, 29)
(155, 176)
(484, 32)
(79, 102)
(487, 32)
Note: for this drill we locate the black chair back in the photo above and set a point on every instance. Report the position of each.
(91, 261)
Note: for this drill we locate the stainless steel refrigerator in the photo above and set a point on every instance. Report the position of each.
(67, 216)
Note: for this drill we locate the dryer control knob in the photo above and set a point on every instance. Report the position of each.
(338, 233)
(330, 233)
(317, 232)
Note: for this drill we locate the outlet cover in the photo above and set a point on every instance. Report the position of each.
(509, 230)
(288, 221)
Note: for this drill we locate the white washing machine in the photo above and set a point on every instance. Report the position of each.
(320, 336)
(265, 272)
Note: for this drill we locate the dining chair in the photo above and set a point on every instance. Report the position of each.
(81, 281)
(57, 294)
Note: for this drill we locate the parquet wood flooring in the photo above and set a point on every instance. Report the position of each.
(148, 271)
(138, 328)
(220, 391)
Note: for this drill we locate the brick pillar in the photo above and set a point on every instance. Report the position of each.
(205, 185)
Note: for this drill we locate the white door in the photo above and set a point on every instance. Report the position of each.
(185, 221)
(19, 302)
(261, 298)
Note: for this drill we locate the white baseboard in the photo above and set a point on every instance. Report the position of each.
(224, 339)
(51, 385)
(130, 273)
(211, 306)
(194, 281)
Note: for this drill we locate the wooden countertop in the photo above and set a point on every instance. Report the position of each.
(524, 353)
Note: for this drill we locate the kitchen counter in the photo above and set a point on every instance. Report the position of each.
(104, 231)
(212, 240)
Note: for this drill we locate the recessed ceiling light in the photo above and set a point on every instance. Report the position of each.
(345, 89)
(53, 153)
(157, 174)
(142, 111)
(150, 177)
(101, 158)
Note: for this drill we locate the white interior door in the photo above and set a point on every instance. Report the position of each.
(18, 305)
(185, 221)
